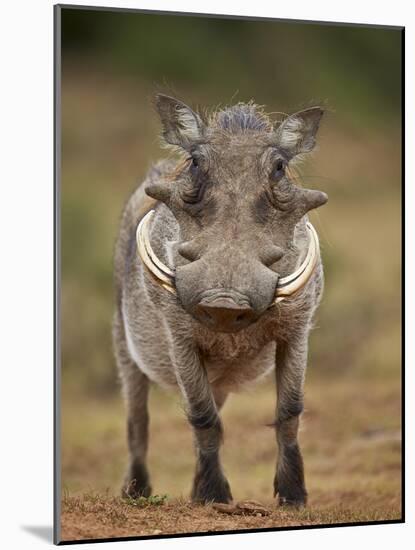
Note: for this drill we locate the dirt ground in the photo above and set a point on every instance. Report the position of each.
(97, 516)
(350, 438)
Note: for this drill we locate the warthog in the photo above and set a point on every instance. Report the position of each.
(218, 285)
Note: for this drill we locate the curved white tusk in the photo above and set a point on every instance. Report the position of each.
(286, 286)
(292, 283)
(160, 271)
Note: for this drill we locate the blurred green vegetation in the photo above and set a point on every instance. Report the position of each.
(356, 70)
(112, 64)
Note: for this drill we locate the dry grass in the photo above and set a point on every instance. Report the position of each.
(100, 516)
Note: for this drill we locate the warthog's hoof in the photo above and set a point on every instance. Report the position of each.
(294, 496)
(131, 490)
(136, 483)
(293, 503)
(213, 490)
(290, 492)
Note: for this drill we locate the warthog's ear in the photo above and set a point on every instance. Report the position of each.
(181, 126)
(297, 133)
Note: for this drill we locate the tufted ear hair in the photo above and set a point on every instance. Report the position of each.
(297, 133)
(181, 125)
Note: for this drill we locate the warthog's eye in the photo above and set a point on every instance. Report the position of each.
(278, 170)
(192, 190)
(282, 188)
(194, 165)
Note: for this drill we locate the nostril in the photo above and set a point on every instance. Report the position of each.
(240, 317)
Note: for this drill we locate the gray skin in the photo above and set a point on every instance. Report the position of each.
(230, 221)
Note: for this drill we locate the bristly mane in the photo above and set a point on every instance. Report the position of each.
(242, 117)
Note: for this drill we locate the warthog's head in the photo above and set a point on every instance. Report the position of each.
(235, 204)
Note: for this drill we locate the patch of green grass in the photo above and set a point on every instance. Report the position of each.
(142, 502)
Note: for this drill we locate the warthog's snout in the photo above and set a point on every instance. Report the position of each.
(223, 314)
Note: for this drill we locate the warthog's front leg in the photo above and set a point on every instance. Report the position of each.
(210, 483)
(291, 359)
(135, 388)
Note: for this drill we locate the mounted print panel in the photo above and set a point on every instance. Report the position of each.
(228, 230)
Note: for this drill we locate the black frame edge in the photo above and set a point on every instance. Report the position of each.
(233, 532)
(228, 16)
(56, 272)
